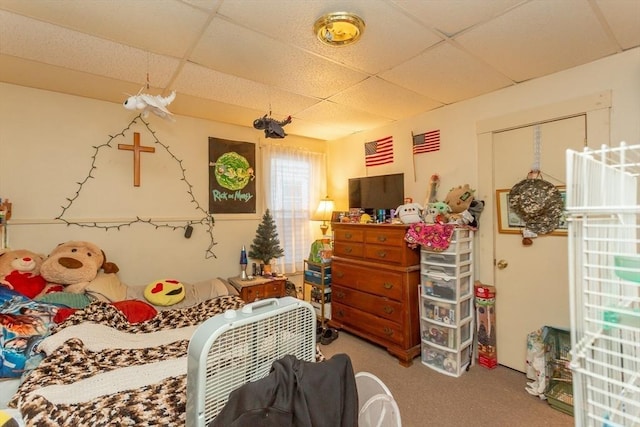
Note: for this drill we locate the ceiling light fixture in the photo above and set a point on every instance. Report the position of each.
(339, 28)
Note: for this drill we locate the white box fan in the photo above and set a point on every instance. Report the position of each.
(230, 350)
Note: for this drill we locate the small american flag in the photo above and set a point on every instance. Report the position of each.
(426, 142)
(378, 152)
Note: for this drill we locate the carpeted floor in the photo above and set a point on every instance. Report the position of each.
(480, 397)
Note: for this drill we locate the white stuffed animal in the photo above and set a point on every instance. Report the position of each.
(410, 213)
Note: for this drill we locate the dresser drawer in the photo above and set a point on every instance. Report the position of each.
(354, 234)
(380, 327)
(274, 289)
(382, 307)
(375, 281)
(385, 237)
(348, 249)
(386, 254)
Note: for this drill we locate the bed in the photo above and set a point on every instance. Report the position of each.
(96, 367)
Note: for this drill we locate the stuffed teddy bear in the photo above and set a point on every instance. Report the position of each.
(20, 271)
(410, 213)
(75, 264)
(459, 198)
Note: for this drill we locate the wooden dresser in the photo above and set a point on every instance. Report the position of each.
(259, 287)
(375, 280)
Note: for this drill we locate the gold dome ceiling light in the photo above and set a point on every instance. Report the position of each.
(339, 28)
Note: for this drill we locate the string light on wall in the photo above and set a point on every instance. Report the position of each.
(207, 220)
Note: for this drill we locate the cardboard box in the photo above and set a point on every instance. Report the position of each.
(327, 309)
(485, 300)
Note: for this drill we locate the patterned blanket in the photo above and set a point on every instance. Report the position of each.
(102, 370)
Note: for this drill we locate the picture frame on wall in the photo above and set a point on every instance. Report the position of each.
(510, 223)
(232, 177)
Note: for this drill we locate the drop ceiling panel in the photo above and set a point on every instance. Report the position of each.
(165, 27)
(70, 49)
(203, 82)
(452, 17)
(342, 116)
(542, 36)
(446, 74)
(291, 22)
(382, 98)
(623, 17)
(58, 79)
(231, 49)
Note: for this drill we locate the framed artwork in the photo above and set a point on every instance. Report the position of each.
(232, 177)
(510, 223)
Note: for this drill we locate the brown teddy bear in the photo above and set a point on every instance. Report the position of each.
(20, 271)
(459, 198)
(75, 264)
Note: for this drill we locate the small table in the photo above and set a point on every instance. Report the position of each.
(259, 287)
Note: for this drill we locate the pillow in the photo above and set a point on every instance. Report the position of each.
(107, 287)
(164, 292)
(136, 311)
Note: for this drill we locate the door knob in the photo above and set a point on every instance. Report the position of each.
(502, 264)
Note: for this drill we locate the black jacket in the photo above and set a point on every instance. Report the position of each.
(296, 394)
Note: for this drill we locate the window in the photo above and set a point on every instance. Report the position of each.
(294, 183)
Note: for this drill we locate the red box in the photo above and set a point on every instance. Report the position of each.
(485, 299)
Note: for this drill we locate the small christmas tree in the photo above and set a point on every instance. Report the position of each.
(266, 245)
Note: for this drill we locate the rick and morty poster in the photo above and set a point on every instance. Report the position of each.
(232, 176)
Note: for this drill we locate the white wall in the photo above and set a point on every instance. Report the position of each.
(47, 144)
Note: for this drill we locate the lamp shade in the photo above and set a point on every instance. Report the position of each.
(324, 210)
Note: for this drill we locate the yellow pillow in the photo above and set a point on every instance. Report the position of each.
(164, 292)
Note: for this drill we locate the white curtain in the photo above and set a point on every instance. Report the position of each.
(294, 183)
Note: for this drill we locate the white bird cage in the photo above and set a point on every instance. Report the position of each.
(604, 270)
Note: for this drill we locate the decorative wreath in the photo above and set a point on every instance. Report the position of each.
(538, 203)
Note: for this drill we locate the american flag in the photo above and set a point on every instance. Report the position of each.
(426, 142)
(378, 152)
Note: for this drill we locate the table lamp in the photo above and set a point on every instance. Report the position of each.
(323, 213)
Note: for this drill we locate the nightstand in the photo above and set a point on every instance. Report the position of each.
(259, 287)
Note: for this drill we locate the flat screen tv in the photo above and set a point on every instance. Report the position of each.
(377, 192)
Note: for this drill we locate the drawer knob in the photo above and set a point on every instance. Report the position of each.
(348, 235)
(382, 238)
(382, 254)
(387, 309)
(388, 285)
(348, 250)
(339, 274)
(340, 294)
(388, 331)
(340, 313)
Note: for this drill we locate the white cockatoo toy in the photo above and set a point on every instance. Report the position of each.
(154, 103)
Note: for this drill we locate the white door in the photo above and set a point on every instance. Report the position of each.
(533, 288)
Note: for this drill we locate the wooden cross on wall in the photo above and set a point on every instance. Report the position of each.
(137, 149)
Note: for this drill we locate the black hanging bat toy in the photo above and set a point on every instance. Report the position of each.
(272, 127)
